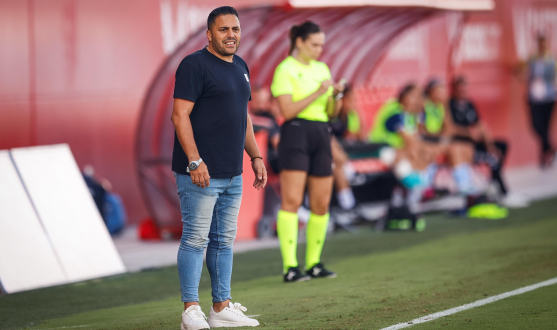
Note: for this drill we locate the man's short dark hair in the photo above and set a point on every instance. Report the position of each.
(224, 10)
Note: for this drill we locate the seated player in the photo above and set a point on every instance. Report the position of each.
(263, 105)
(435, 93)
(343, 173)
(396, 124)
(347, 125)
(471, 130)
(436, 128)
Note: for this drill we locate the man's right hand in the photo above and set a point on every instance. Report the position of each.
(200, 176)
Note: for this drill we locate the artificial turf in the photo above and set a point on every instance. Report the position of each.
(383, 279)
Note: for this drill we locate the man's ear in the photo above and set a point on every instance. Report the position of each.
(209, 36)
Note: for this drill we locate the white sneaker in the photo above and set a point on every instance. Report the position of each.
(231, 316)
(193, 318)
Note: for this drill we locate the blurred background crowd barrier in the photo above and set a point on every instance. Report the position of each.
(98, 74)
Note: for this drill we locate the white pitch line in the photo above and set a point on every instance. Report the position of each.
(478, 303)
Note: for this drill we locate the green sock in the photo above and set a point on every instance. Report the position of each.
(315, 236)
(287, 230)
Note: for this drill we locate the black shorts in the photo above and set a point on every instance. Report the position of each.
(305, 145)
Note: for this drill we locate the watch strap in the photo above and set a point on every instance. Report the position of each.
(197, 162)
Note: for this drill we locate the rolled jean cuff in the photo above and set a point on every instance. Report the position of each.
(216, 301)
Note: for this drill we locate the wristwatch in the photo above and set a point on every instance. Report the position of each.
(194, 165)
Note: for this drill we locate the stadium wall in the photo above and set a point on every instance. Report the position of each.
(77, 72)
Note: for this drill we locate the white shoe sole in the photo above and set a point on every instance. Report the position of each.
(228, 324)
(193, 327)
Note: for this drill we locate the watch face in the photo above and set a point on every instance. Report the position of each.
(193, 166)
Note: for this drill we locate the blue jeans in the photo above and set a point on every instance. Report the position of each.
(209, 218)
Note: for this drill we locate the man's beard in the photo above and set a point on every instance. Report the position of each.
(221, 50)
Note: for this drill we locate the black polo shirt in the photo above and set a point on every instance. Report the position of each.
(220, 91)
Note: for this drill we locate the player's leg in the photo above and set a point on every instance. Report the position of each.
(292, 185)
(461, 155)
(320, 190)
(341, 174)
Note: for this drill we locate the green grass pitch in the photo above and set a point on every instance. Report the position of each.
(383, 279)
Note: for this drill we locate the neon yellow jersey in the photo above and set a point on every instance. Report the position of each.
(434, 117)
(300, 81)
(382, 134)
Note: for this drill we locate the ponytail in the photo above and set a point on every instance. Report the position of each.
(302, 31)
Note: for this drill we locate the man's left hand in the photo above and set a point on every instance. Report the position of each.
(260, 173)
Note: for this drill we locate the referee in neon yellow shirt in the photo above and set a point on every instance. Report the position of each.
(307, 97)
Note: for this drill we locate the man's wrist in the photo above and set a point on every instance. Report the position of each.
(193, 157)
(256, 157)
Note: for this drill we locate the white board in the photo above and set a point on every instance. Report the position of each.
(67, 212)
(27, 260)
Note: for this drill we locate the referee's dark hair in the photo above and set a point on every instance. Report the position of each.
(302, 31)
(224, 10)
(406, 90)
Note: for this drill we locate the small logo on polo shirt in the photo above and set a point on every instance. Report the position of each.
(247, 78)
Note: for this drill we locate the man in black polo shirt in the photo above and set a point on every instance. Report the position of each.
(213, 129)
